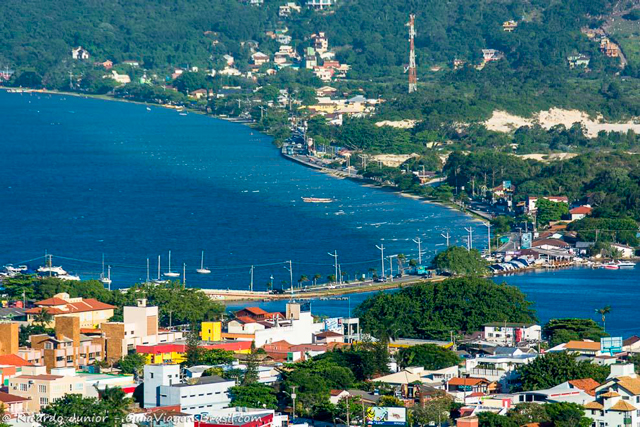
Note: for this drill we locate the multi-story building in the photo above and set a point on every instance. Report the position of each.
(510, 334)
(163, 387)
(320, 4)
(617, 401)
(500, 369)
(139, 327)
(68, 348)
(89, 311)
(42, 389)
(175, 352)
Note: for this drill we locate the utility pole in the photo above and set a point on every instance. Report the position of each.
(381, 249)
(348, 411)
(290, 268)
(446, 236)
(413, 79)
(419, 242)
(335, 262)
(391, 265)
(293, 397)
(488, 225)
(251, 286)
(470, 244)
(184, 275)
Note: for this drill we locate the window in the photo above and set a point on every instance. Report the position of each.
(48, 345)
(23, 387)
(69, 359)
(151, 374)
(42, 388)
(44, 401)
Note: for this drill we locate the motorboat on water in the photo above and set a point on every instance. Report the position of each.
(202, 270)
(626, 264)
(52, 270)
(170, 273)
(316, 200)
(610, 266)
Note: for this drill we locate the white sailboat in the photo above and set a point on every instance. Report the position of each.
(202, 270)
(106, 280)
(170, 273)
(159, 279)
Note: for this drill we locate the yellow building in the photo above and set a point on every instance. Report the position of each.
(211, 331)
(176, 352)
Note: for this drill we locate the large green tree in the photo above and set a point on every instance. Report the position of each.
(551, 369)
(254, 396)
(429, 356)
(435, 309)
(559, 331)
(460, 261)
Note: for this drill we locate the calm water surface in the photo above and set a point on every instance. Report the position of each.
(81, 177)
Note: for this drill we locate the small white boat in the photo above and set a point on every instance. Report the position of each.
(610, 266)
(49, 269)
(71, 277)
(170, 273)
(148, 108)
(316, 200)
(202, 270)
(626, 264)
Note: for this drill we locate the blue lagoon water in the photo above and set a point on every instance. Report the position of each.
(82, 177)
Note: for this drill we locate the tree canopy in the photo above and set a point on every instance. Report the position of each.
(559, 331)
(551, 369)
(435, 309)
(429, 356)
(458, 261)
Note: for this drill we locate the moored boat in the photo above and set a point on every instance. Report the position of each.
(317, 200)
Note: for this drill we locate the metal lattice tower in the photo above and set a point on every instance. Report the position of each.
(413, 78)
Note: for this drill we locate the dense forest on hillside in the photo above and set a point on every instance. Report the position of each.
(610, 182)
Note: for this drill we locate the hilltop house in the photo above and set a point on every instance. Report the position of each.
(79, 53)
(259, 58)
(509, 26)
(490, 55)
(580, 212)
(320, 4)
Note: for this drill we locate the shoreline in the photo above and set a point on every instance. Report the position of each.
(361, 181)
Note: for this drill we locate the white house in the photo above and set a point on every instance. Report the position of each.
(197, 396)
(79, 53)
(156, 376)
(509, 334)
(575, 391)
(617, 401)
(626, 251)
(498, 369)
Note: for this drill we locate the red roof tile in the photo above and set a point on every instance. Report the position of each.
(467, 381)
(87, 304)
(52, 301)
(584, 210)
(587, 385)
(13, 360)
(11, 398)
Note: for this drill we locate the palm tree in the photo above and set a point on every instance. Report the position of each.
(302, 279)
(43, 318)
(603, 312)
(316, 277)
(115, 398)
(401, 259)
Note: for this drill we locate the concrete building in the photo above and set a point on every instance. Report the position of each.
(68, 348)
(498, 369)
(617, 401)
(42, 389)
(139, 327)
(156, 376)
(9, 341)
(510, 334)
(203, 395)
(198, 396)
(13, 405)
(90, 311)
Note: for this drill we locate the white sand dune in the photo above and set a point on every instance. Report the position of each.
(501, 121)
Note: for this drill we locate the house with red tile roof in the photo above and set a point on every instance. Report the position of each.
(90, 311)
(13, 405)
(580, 212)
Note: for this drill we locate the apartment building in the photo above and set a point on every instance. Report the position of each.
(42, 389)
(139, 327)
